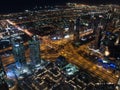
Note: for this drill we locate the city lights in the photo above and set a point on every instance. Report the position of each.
(71, 46)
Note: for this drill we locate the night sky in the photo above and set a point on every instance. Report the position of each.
(19, 5)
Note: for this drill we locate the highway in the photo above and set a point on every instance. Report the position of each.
(73, 57)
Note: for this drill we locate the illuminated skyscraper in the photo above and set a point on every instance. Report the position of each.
(34, 45)
(18, 52)
(3, 84)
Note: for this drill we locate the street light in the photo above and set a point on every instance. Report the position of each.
(106, 53)
(117, 41)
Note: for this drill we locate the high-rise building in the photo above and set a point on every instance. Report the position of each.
(3, 84)
(98, 37)
(18, 52)
(76, 31)
(34, 45)
(108, 21)
(71, 27)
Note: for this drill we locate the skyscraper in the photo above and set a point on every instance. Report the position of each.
(71, 26)
(34, 45)
(76, 31)
(98, 37)
(3, 84)
(18, 52)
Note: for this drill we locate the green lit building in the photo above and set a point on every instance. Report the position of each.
(34, 45)
(70, 69)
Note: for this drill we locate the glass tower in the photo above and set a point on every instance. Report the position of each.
(34, 45)
(19, 52)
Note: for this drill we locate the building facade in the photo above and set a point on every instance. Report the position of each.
(34, 45)
(76, 31)
(18, 52)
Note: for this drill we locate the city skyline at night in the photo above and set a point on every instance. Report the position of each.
(7, 6)
(60, 45)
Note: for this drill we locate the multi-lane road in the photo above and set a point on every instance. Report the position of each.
(69, 52)
(73, 57)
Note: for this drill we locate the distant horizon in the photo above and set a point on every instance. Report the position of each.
(13, 6)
